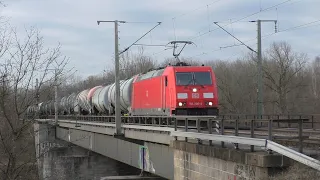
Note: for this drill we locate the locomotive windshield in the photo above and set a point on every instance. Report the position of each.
(202, 78)
(184, 78)
(193, 78)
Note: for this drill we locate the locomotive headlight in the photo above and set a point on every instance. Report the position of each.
(180, 103)
(194, 90)
(210, 103)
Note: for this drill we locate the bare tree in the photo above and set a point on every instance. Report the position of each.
(236, 82)
(132, 64)
(283, 72)
(23, 61)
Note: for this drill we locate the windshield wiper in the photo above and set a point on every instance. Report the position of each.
(185, 86)
(198, 83)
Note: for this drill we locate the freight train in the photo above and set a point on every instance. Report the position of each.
(179, 89)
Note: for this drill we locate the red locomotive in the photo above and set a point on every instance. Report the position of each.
(176, 90)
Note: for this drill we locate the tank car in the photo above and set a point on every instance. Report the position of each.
(90, 96)
(82, 105)
(100, 101)
(63, 106)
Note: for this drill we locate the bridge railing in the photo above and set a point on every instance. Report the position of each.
(314, 119)
(160, 121)
(290, 131)
(280, 128)
(312, 123)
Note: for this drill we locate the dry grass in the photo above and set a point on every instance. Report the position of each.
(296, 172)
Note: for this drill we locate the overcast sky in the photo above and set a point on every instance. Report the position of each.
(90, 47)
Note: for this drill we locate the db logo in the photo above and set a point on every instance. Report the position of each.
(195, 95)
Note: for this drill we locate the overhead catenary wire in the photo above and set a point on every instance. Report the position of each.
(153, 54)
(292, 28)
(216, 1)
(196, 9)
(236, 38)
(150, 45)
(209, 30)
(263, 37)
(285, 30)
(141, 22)
(266, 9)
(183, 14)
(139, 39)
(189, 12)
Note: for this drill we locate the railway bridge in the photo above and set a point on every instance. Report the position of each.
(180, 147)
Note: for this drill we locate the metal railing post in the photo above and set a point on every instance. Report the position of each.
(222, 131)
(252, 134)
(167, 121)
(210, 130)
(270, 133)
(237, 132)
(300, 136)
(175, 127)
(186, 128)
(199, 129)
(270, 130)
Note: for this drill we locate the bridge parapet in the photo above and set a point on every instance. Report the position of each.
(198, 161)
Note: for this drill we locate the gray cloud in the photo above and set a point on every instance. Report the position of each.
(90, 47)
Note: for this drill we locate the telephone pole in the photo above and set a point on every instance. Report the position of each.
(260, 74)
(117, 78)
(260, 70)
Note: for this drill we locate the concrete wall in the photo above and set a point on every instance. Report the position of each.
(158, 157)
(59, 159)
(204, 162)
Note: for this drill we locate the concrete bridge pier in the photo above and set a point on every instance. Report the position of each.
(196, 161)
(56, 158)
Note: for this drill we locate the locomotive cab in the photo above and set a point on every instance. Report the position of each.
(196, 91)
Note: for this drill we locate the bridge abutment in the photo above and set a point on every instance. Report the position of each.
(196, 161)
